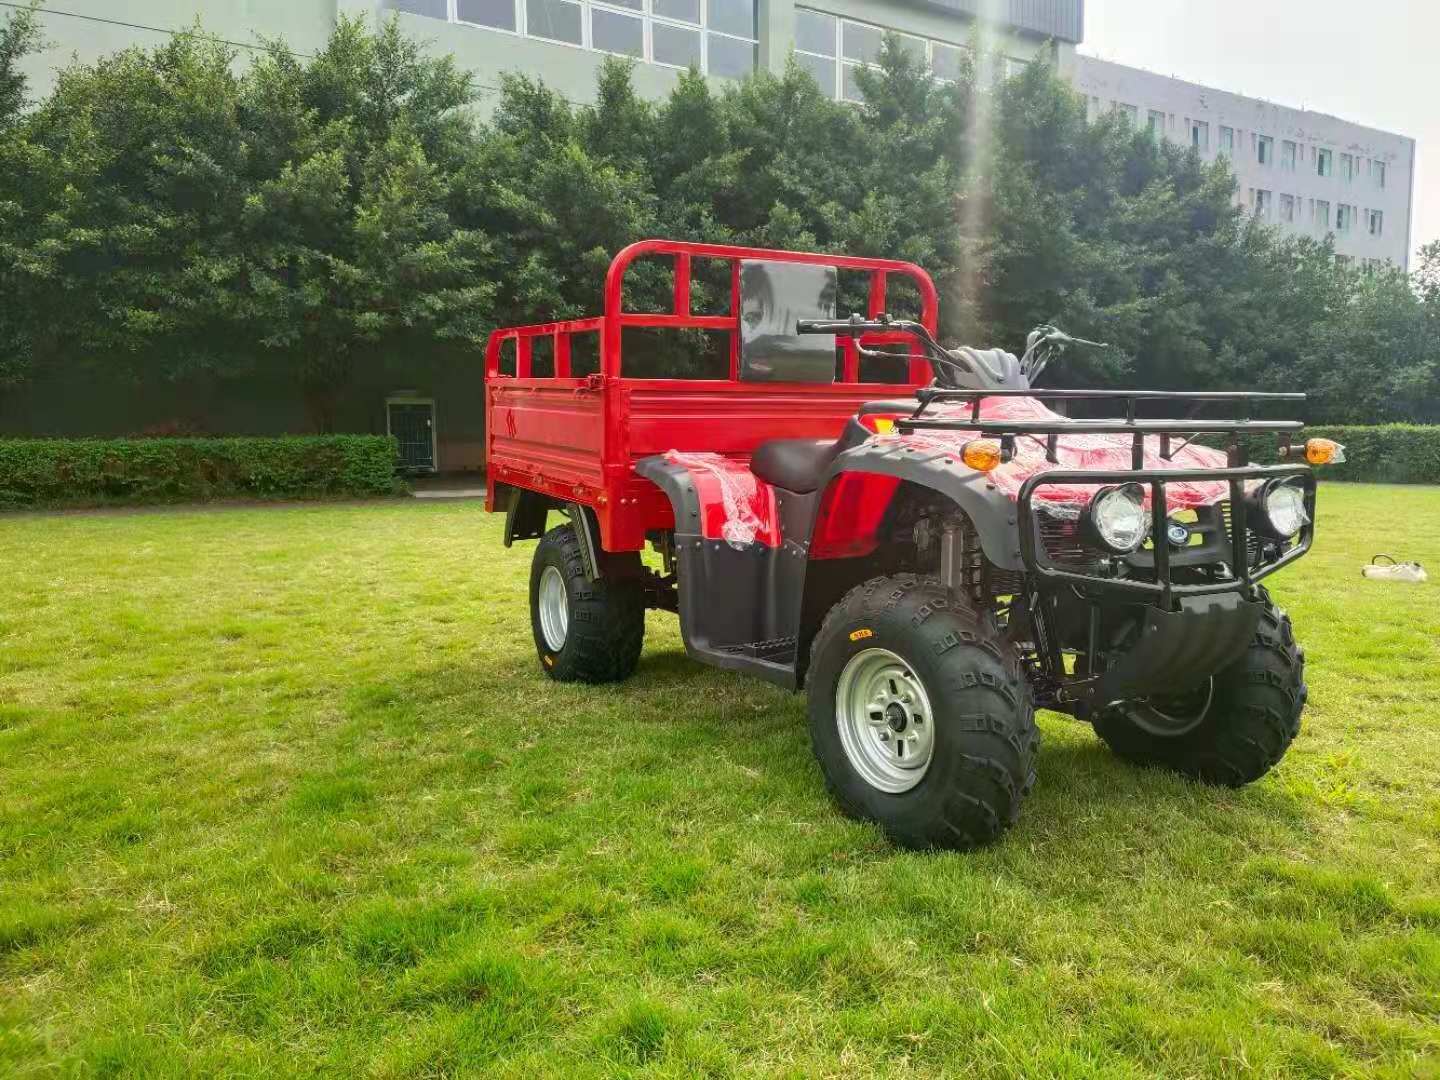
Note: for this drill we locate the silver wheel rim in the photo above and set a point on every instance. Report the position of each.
(1175, 715)
(554, 608)
(883, 715)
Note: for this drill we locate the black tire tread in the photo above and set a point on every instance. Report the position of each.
(989, 717)
(607, 616)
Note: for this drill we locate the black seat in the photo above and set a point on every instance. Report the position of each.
(796, 465)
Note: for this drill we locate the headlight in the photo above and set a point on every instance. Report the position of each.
(1283, 504)
(1118, 518)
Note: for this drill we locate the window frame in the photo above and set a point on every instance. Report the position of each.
(645, 12)
(843, 64)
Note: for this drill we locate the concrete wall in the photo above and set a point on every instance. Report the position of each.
(85, 30)
(1107, 85)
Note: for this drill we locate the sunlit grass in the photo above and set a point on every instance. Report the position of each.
(283, 791)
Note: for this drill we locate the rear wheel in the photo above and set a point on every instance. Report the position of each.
(1231, 729)
(920, 716)
(585, 631)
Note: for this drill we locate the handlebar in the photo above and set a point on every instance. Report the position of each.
(852, 326)
(1043, 343)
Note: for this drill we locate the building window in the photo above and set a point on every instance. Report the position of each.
(1323, 163)
(1130, 112)
(1227, 140)
(1200, 135)
(1265, 150)
(1347, 167)
(1287, 209)
(554, 20)
(859, 42)
(1377, 223)
(499, 14)
(670, 32)
(1377, 174)
(1344, 218)
(1263, 201)
(678, 46)
(947, 63)
(1155, 123)
(1287, 155)
(612, 32)
(832, 49)
(1322, 214)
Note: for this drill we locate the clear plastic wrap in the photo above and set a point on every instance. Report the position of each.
(1080, 451)
(741, 502)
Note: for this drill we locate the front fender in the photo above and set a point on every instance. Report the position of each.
(991, 512)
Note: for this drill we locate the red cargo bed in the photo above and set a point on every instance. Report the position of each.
(577, 438)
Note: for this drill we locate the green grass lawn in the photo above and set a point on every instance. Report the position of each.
(283, 791)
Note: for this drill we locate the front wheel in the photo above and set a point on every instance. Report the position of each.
(1231, 729)
(585, 631)
(920, 715)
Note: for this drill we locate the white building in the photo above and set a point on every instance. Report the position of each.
(1306, 172)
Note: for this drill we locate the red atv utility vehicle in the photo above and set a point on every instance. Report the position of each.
(931, 559)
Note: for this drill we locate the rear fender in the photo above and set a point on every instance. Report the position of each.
(739, 581)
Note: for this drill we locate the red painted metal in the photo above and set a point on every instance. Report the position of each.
(579, 438)
(848, 522)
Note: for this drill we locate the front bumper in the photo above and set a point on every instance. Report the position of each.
(1245, 556)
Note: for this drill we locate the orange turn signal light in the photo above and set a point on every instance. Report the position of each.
(982, 455)
(1322, 451)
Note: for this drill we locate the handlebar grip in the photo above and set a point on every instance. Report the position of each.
(827, 326)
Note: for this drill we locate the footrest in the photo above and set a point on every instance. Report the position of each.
(776, 650)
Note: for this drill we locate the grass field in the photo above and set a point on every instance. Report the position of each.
(282, 791)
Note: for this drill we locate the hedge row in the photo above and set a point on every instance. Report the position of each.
(91, 472)
(1385, 454)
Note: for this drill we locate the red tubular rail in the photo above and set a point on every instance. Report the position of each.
(616, 318)
(577, 438)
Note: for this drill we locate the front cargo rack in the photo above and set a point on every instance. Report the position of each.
(1138, 428)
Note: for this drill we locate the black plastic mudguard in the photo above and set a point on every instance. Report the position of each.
(1177, 649)
(739, 606)
(990, 511)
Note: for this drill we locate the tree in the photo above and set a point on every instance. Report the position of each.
(19, 37)
(197, 221)
(351, 237)
(167, 214)
(19, 169)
